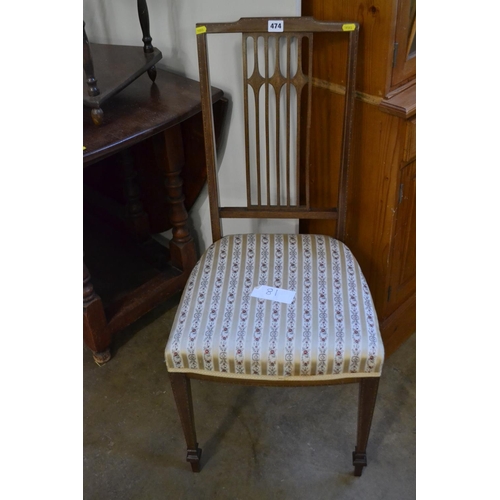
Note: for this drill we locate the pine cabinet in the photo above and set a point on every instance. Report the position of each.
(381, 220)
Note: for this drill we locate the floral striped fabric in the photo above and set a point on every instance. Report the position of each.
(330, 330)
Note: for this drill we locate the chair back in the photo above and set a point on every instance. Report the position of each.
(277, 56)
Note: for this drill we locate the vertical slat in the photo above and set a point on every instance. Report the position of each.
(288, 128)
(257, 120)
(266, 83)
(278, 110)
(245, 110)
(308, 122)
(347, 132)
(298, 93)
(209, 136)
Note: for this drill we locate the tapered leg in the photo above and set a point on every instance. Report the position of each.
(368, 388)
(181, 387)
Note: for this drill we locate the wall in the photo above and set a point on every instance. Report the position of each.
(172, 25)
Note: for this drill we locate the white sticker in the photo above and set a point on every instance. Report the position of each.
(272, 293)
(276, 26)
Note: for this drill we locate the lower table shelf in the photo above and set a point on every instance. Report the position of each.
(119, 264)
(129, 278)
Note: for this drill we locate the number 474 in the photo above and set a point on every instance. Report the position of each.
(275, 25)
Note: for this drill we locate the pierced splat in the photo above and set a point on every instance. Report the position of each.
(277, 88)
(272, 163)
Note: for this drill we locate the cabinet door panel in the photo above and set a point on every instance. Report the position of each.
(405, 55)
(403, 268)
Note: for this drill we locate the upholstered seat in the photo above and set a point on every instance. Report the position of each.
(330, 329)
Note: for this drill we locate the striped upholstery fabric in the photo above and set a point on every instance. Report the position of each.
(330, 330)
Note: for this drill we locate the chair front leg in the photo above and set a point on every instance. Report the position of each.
(181, 387)
(368, 389)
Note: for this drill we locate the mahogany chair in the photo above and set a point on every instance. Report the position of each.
(329, 333)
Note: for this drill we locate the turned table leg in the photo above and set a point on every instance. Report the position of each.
(182, 249)
(96, 333)
(137, 218)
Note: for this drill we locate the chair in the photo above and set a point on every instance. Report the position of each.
(328, 333)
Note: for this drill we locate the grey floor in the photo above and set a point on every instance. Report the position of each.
(258, 443)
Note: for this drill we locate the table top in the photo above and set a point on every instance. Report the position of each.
(139, 111)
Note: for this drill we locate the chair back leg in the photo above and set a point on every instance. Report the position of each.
(181, 387)
(368, 388)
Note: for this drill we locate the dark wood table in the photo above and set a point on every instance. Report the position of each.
(151, 133)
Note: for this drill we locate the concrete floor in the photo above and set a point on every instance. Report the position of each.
(258, 443)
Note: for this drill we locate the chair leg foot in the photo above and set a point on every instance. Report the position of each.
(359, 461)
(193, 457)
(97, 115)
(368, 389)
(102, 357)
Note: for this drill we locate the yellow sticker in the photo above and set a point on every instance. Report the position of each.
(201, 29)
(84, 148)
(348, 27)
